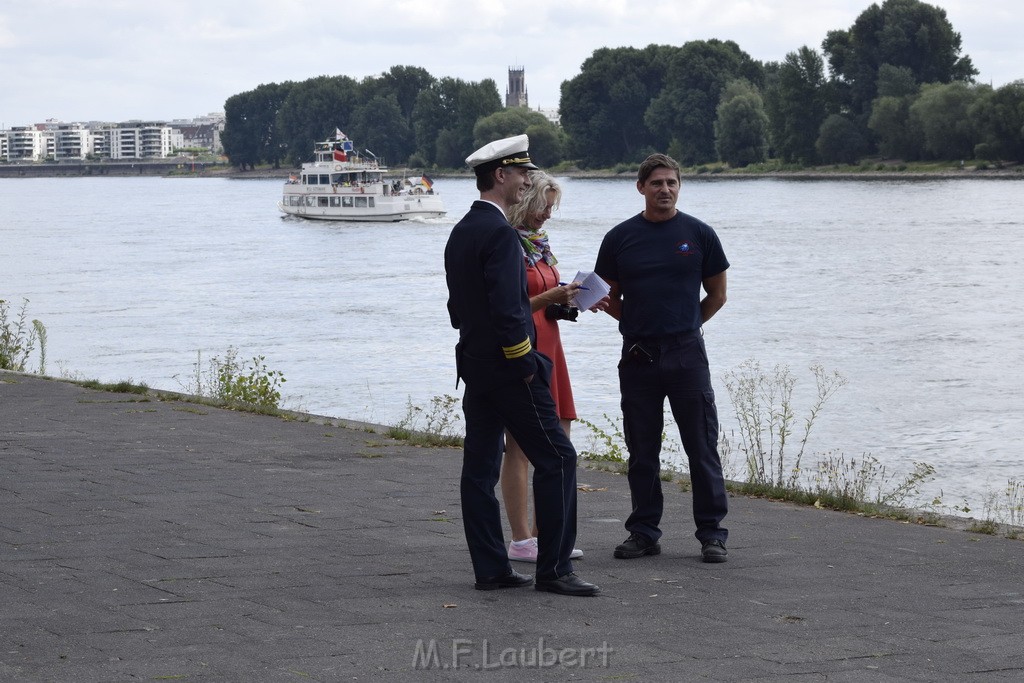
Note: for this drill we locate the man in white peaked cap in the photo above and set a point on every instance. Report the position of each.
(507, 382)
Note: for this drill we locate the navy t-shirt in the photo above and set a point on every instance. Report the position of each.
(660, 268)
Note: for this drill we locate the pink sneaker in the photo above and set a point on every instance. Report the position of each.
(523, 552)
(527, 552)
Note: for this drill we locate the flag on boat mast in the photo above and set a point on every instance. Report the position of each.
(338, 135)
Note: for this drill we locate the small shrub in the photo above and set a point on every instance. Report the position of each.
(40, 331)
(125, 386)
(443, 416)
(604, 445)
(1015, 502)
(440, 429)
(18, 339)
(850, 484)
(250, 383)
(1006, 507)
(763, 403)
(986, 526)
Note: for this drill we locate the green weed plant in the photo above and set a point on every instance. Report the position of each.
(773, 445)
(767, 420)
(1005, 507)
(604, 444)
(435, 427)
(235, 382)
(856, 483)
(18, 338)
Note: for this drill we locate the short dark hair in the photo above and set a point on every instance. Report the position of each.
(485, 176)
(656, 161)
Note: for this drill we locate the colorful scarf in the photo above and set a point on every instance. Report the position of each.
(535, 246)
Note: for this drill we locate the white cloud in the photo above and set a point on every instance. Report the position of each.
(120, 59)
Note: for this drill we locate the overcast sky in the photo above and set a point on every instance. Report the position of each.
(115, 60)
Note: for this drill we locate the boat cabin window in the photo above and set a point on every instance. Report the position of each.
(321, 201)
(335, 200)
(325, 179)
(346, 201)
(361, 201)
(310, 201)
(294, 200)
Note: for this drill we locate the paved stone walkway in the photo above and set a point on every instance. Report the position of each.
(144, 539)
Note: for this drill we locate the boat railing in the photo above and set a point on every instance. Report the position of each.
(324, 152)
(360, 165)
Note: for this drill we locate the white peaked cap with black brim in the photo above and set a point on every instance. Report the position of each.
(505, 152)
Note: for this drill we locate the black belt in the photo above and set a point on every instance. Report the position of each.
(662, 340)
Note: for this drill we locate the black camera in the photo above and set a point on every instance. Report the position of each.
(561, 312)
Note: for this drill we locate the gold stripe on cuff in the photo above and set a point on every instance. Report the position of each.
(517, 351)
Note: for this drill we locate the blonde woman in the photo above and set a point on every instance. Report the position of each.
(549, 302)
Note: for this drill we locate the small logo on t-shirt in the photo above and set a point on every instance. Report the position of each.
(684, 248)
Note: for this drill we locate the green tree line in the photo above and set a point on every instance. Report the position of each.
(893, 84)
(404, 115)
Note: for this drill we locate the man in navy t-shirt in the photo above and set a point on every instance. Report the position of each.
(656, 264)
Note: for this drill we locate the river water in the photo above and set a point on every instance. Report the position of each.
(912, 290)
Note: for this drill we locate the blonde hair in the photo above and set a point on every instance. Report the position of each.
(536, 198)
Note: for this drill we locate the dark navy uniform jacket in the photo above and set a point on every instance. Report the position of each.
(487, 299)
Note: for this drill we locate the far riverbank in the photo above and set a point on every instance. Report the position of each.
(893, 172)
(188, 169)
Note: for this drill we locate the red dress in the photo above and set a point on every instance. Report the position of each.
(540, 278)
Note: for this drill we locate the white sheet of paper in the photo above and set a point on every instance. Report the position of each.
(596, 289)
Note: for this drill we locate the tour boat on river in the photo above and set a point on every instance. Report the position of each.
(343, 185)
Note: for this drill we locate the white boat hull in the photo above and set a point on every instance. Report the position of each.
(385, 210)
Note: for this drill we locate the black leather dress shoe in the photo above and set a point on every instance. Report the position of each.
(511, 580)
(713, 551)
(637, 545)
(570, 584)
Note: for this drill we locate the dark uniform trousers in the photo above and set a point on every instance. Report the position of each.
(677, 368)
(528, 411)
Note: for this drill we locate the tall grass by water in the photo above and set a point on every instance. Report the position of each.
(18, 338)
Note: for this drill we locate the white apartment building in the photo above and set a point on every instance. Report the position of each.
(25, 143)
(57, 141)
(70, 141)
(135, 140)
